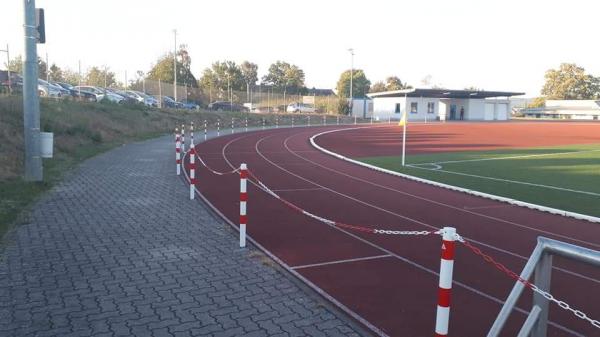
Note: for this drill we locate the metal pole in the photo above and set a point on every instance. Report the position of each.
(47, 74)
(79, 87)
(125, 80)
(159, 94)
(31, 103)
(351, 75)
(404, 133)
(175, 66)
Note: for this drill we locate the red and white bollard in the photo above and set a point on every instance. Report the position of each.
(445, 284)
(177, 151)
(192, 171)
(218, 127)
(232, 125)
(183, 138)
(276, 122)
(354, 120)
(191, 133)
(292, 121)
(308, 121)
(338, 120)
(324, 120)
(246, 125)
(205, 130)
(263, 123)
(243, 200)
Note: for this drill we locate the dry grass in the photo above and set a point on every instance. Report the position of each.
(82, 130)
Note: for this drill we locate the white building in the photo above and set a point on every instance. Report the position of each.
(442, 104)
(567, 109)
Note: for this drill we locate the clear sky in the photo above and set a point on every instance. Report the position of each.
(490, 44)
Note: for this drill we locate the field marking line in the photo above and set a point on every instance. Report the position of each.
(331, 298)
(511, 181)
(508, 157)
(329, 263)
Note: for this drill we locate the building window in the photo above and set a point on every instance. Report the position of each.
(430, 107)
(413, 107)
(397, 108)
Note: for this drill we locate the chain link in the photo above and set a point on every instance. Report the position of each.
(564, 305)
(390, 232)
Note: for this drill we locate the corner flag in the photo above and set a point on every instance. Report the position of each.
(402, 120)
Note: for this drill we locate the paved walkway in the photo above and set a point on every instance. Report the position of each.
(118, 249)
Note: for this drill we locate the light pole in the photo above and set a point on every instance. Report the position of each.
(175, 66)
(31, 102)
(8, 68)
(351, 50)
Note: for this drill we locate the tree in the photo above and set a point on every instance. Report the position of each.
(538, 102)
(570, 82)
(394, 83)
(56, 74)
(250, 74)
(100, 77)
(285, 76)
(223, 78)
(71, 77)
(163, 69)
(16, 66)
(378, 86)
(360, 84)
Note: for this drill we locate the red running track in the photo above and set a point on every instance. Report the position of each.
(390, 283)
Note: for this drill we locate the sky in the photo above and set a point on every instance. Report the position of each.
(489, 44)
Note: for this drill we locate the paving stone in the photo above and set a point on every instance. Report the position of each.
(118, 249)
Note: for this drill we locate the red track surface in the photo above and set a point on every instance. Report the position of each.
(438, 137)
(395, 290)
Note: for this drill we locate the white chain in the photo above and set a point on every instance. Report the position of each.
(565, 306)
(390, 232)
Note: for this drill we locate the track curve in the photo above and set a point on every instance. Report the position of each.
(390, 282)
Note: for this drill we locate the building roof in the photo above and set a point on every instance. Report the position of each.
(444, 93)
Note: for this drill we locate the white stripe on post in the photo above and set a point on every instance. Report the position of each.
(205, 130)
(445, 283)
(182, 137)
(218, 127)
(177, 151)
(243, 200)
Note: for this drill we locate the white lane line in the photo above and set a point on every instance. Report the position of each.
(551, 187)
(510, 157)
(341, 261)
(489, 206)
(296, 189)
(401, 258)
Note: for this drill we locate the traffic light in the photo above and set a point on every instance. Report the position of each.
(40, 25)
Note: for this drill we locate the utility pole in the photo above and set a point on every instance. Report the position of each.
(175, 66)
(31, 101)
(48, 73)
(8, 68)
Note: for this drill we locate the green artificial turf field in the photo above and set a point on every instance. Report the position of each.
(564, 177)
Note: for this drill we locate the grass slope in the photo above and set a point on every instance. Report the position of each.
(575, 168)
(82, 130)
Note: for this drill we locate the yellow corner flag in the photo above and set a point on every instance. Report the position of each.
(402, 120)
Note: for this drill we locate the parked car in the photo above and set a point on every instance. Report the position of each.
(178, 105)
(168, 102)
(190, 105)
(16, 82)
(300, 107)
(143, 98)
(98, 92)
(77, 94)
(127, 98)
(46, 89)
(227, 106)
